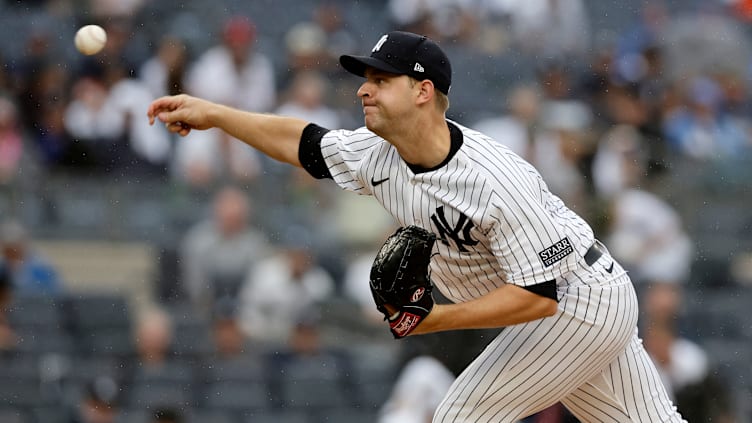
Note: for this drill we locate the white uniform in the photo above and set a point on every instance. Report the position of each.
(497, 223)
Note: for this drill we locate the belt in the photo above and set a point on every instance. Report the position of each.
(593, 253)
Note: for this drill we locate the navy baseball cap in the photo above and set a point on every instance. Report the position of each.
(405, 53)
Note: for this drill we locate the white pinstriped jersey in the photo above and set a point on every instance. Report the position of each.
(496, 220)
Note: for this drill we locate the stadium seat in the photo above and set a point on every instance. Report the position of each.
(248, 368)
(193, 342)
(176, 372)
(133, 415)
(97, 311)
(53, 414)
(236, 396)
(350, 415)
(372, 394)
(160, 394)
(34, 311)
(210, 416)
(42, 340)
(280, 416)
(314, 394)
(112, 342)
(13, 415)
(19, 393)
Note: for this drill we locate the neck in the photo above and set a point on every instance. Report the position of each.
(425, 143)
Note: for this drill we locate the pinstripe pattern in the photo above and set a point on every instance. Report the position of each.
(514, 216)
(503, 220)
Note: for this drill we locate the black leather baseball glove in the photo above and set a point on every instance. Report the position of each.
(400, 278)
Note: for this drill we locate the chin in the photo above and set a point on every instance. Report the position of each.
(370, 124)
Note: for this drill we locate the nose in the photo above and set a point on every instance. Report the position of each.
(364, 90)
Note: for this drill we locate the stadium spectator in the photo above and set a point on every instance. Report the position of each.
(330, 17)
(231, 72)
(218, 252)
(87, 119)
(705, 41)
(305, 359)
(7, 334)
(279, 289)
(104, 9)
(148, 147)
(164, 72)
(56, 147)
(647, 235)
(306, 99)
(428, 366)
(30, 272)
(420, 387)
(702, 129)
(153, 337)
(742, 9)
(355, 286)
(565, 143)
(167, 415)
(620, 161)
(518, 125)
(684, 365)
(229, 340)
(43, 94)
(29, 77)
(438, 20)
(642, 35)
(98, 403)
(563, 148)
(104, 115)
(550, 28)
(305, 44)
(11, 141)
(5, 81)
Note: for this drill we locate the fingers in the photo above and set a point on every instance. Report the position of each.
(162, 109)
(178, 128)
(393, 311)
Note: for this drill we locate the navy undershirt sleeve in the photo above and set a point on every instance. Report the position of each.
(309, 151)
(545, 289)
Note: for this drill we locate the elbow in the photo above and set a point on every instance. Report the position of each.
(549, 307)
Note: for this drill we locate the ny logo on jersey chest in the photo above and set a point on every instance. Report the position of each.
(459, 233)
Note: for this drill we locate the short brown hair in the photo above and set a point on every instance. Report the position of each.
(442, 100)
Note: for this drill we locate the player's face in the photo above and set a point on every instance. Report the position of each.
(386, 97)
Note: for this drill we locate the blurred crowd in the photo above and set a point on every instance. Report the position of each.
(605, 113)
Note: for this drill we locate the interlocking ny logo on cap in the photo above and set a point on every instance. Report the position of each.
(380, 43)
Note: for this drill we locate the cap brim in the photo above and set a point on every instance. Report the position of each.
(358, 64)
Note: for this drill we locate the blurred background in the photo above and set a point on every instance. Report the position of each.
(146, 278)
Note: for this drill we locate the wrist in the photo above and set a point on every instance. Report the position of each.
(432, 322)
(214, 114)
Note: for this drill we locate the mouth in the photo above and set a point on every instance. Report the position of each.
(367, 107)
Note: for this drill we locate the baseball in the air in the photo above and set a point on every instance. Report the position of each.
(90, 39)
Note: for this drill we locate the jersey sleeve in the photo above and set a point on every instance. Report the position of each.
(309, 151)
(340, 155)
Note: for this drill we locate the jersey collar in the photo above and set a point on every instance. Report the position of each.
(456, 142)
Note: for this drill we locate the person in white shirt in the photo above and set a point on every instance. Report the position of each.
(234, 73)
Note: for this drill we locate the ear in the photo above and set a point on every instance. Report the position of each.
(425, 92)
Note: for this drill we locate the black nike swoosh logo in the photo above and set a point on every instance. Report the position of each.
(610, 268)
(376, 183)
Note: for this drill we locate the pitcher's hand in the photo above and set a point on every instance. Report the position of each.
(181, 113)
